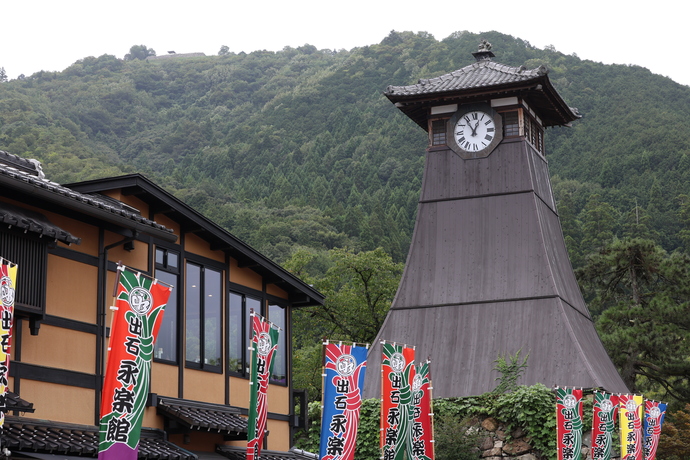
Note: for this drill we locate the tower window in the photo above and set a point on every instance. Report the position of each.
(438, 132)
(511, 124)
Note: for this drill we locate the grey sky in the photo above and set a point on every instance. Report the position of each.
(50, 35)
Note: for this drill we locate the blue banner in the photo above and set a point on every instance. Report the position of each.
(344, 367)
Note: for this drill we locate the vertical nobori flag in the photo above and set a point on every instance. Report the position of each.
(654, 413)
(603, 425)
(423, 425)
(397, 372)
(263, 346)
(630, 415)
(569, 423)
(8, 280)
(137, 316)
(343, 379)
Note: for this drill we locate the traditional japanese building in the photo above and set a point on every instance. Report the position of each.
(67, 242)
(488, 274)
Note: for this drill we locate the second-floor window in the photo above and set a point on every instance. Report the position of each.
(167, 270)
(239, 330)
(203, 317)
(277, 314)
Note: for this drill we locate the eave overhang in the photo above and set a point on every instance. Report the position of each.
(160, 201)
(27, 188)
(415, 101)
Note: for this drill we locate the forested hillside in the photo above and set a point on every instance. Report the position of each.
(300, 147)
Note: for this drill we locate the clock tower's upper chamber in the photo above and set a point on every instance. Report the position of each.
(488, 273)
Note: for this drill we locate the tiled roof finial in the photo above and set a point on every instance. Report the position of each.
(484, 52)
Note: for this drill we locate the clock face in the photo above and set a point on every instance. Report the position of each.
(474, 131)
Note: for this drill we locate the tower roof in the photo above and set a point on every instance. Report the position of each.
(483, 80)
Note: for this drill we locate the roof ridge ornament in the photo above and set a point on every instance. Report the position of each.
(483, 52)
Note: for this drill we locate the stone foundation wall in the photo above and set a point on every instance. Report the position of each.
(496, 444)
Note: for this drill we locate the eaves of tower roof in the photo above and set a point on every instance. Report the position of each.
(483, 80)
(477, 75)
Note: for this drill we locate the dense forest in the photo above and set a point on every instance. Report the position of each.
(301, 148)
(298, 153)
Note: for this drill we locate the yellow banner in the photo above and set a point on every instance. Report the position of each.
(630, 422)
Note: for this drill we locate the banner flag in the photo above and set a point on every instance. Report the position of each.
(397, 372)
(569, 423)
(654, 413)
(8, 283)
(603, 425)
(344, 368)
(137, 316)
(630, 415)
(423, 426)
(264, 343)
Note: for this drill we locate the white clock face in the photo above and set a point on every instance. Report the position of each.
(474, 131)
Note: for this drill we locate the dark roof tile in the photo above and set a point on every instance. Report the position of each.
(239, 453)
(476, 75)
(203, 416)
(30, 435)
(19, 170)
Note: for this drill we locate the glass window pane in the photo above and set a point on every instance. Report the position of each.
(235, 340)
(212, 317)
(166, 342)
(173, 259)
(160, 256)
(276, 314)
(249, 305)
(193, 313)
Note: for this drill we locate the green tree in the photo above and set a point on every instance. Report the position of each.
(224, 50)
(3, 75)
(642, 298)
(598, 224)
(140, 52)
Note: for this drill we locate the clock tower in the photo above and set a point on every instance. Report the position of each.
(488, 273)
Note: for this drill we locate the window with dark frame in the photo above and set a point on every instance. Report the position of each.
(203, 317)
(277, 314)
(31, 256)
(511, 124)
(168, 271)
(438, 132)
(239, 330)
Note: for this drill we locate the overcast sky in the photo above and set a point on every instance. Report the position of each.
(51, 35)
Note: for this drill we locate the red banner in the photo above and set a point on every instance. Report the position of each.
(8, 279)
(140, 303)
(263, 345)
(569, 423)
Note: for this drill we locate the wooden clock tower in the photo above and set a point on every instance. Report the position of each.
(488, 273)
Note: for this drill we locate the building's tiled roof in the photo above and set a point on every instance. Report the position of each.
(479, 74)
(34, 222)
(27, 177)
(196, 415)
(478, 82)
(30, 435)
(15, 403)
(239, 453)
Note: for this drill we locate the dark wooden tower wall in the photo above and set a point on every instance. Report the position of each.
(488, 274)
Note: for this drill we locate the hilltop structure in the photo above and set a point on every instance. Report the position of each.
(488, 273)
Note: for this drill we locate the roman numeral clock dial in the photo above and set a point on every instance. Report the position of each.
(474, 131)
